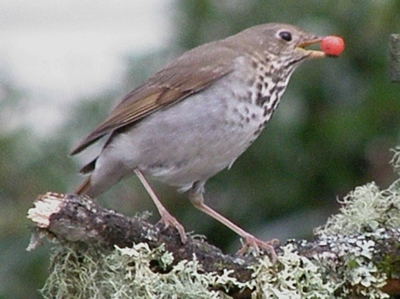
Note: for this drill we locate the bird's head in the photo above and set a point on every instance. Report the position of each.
(287, 42)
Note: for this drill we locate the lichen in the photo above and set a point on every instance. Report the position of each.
(396, 159)
(294, 276)
(353, 262)
(127, 273)
(366, 209)
(369, 217)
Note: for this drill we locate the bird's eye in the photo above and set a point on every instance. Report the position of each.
(285, 35)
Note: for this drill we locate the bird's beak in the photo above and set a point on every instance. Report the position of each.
(311, 53)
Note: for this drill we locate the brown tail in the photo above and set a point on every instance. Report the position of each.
(83, 188)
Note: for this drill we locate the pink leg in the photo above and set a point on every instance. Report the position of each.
(250, 241)
(166, 217)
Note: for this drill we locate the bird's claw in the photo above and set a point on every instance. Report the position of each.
(168, 220)
(251, 242)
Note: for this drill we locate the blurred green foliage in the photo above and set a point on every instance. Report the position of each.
(333, 131)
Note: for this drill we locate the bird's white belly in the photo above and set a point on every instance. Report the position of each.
(191, 140)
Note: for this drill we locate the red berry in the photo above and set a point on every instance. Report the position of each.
(332, 45)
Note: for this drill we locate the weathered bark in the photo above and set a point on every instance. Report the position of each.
(79, 220)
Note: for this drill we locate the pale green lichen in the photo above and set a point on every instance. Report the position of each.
(396, 159)
(366, 209)
(346, 268)
(369, 216)
(126, 273)
(293, 277)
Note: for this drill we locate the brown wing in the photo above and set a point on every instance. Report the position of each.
(192, 72)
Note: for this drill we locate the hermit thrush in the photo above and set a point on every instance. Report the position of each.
(197, 115)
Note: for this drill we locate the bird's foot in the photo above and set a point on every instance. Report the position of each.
(168, 220)
(251, 242)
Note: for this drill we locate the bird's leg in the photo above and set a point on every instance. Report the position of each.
(166, 217)
(196, 198)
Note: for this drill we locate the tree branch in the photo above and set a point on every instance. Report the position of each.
(394, 55)
(356, 254)
(71, 218)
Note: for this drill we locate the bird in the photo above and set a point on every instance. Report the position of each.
(196, 116)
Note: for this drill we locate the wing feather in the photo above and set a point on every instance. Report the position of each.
(182, 78)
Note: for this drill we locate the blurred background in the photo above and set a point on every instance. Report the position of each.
(64, 64)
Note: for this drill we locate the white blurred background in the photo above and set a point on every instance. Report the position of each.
(59, 51)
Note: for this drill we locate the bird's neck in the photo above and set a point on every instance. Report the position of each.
(272, 77)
